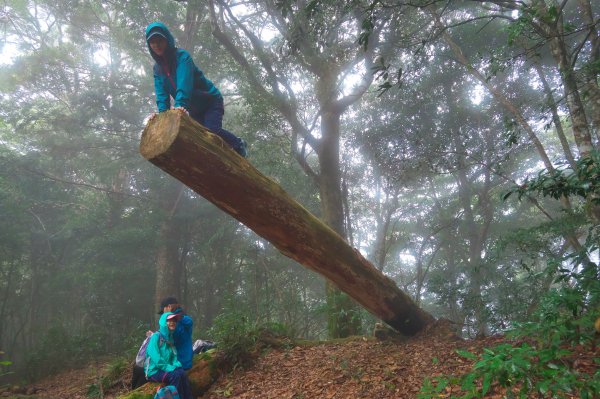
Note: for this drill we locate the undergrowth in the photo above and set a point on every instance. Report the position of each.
(537, 362)
(238, 337)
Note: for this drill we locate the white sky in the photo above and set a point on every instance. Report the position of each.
(8, 54)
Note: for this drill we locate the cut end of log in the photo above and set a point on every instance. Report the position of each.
(159, 134)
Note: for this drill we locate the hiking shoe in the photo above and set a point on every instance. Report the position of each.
(242, 148)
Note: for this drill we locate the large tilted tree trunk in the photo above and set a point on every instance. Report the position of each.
(202, 161)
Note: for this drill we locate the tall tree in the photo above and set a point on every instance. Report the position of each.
(311, 48)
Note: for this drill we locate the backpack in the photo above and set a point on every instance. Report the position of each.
(202, 346)
(168, 392)
(140, 358)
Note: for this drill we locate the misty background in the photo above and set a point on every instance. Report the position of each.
(403, 126)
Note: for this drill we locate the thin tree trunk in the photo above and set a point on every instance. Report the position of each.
(383, 215)
(591, 88)
(169, 263)
(555, 117)
(505, 102)
(558, 49)
(511, 108)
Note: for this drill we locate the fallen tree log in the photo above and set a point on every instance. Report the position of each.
(202, 161)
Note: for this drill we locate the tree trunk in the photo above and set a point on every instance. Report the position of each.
(590, 76)
(558, 48)
(593, 212)
(555, 116)
(342, 320)
(202, 161)
(168, 265)
(385, 209)
(273, 84)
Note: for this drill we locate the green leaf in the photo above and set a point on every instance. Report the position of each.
(553, 366)
(487, 382)
(488, 351)
(466, 354)
(467, 383)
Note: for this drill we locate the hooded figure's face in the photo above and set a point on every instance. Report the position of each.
(160, 50)
(163, 326)
(172, 324)
(158, 44)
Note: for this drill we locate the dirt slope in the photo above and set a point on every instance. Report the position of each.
(361, 367)
(357, 368)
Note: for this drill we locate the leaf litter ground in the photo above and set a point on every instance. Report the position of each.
(360, 367)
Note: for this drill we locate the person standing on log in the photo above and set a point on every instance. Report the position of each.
(176, 75)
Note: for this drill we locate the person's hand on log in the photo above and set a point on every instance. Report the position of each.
(183, 110)
(151, 116)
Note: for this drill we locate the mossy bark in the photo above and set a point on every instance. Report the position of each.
(202, 161)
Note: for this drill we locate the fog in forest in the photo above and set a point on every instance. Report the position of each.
(453, 144)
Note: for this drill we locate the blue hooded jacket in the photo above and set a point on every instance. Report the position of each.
(176, 75)
(161, 352)
(183, 339)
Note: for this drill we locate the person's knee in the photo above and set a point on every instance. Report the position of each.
(179, 373)
(212, 125)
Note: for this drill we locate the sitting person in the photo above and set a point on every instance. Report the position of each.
(183, 334)
(182, 338)
(162, 365)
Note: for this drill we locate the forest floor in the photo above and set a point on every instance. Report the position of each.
(359, 367)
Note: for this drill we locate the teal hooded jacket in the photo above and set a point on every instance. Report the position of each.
(161, 352)
(176, 75)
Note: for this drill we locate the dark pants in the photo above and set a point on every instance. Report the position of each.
(138, 377)
(212, 118)
(178, 378)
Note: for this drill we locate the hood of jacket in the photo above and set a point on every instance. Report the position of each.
(162, 28)
(163, 328)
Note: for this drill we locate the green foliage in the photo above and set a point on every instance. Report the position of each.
(115, 369)
(235, 335)
(434, 388)
(368, 24)
(527, 22)
(591, 67)
(59, 350)
(4, 366)
(136, 395)
(238, 336)
(110, 375)
(528, 369)
(93, 391)
(384, 74)
(518, 29)
(584, 182)
(538, 362)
